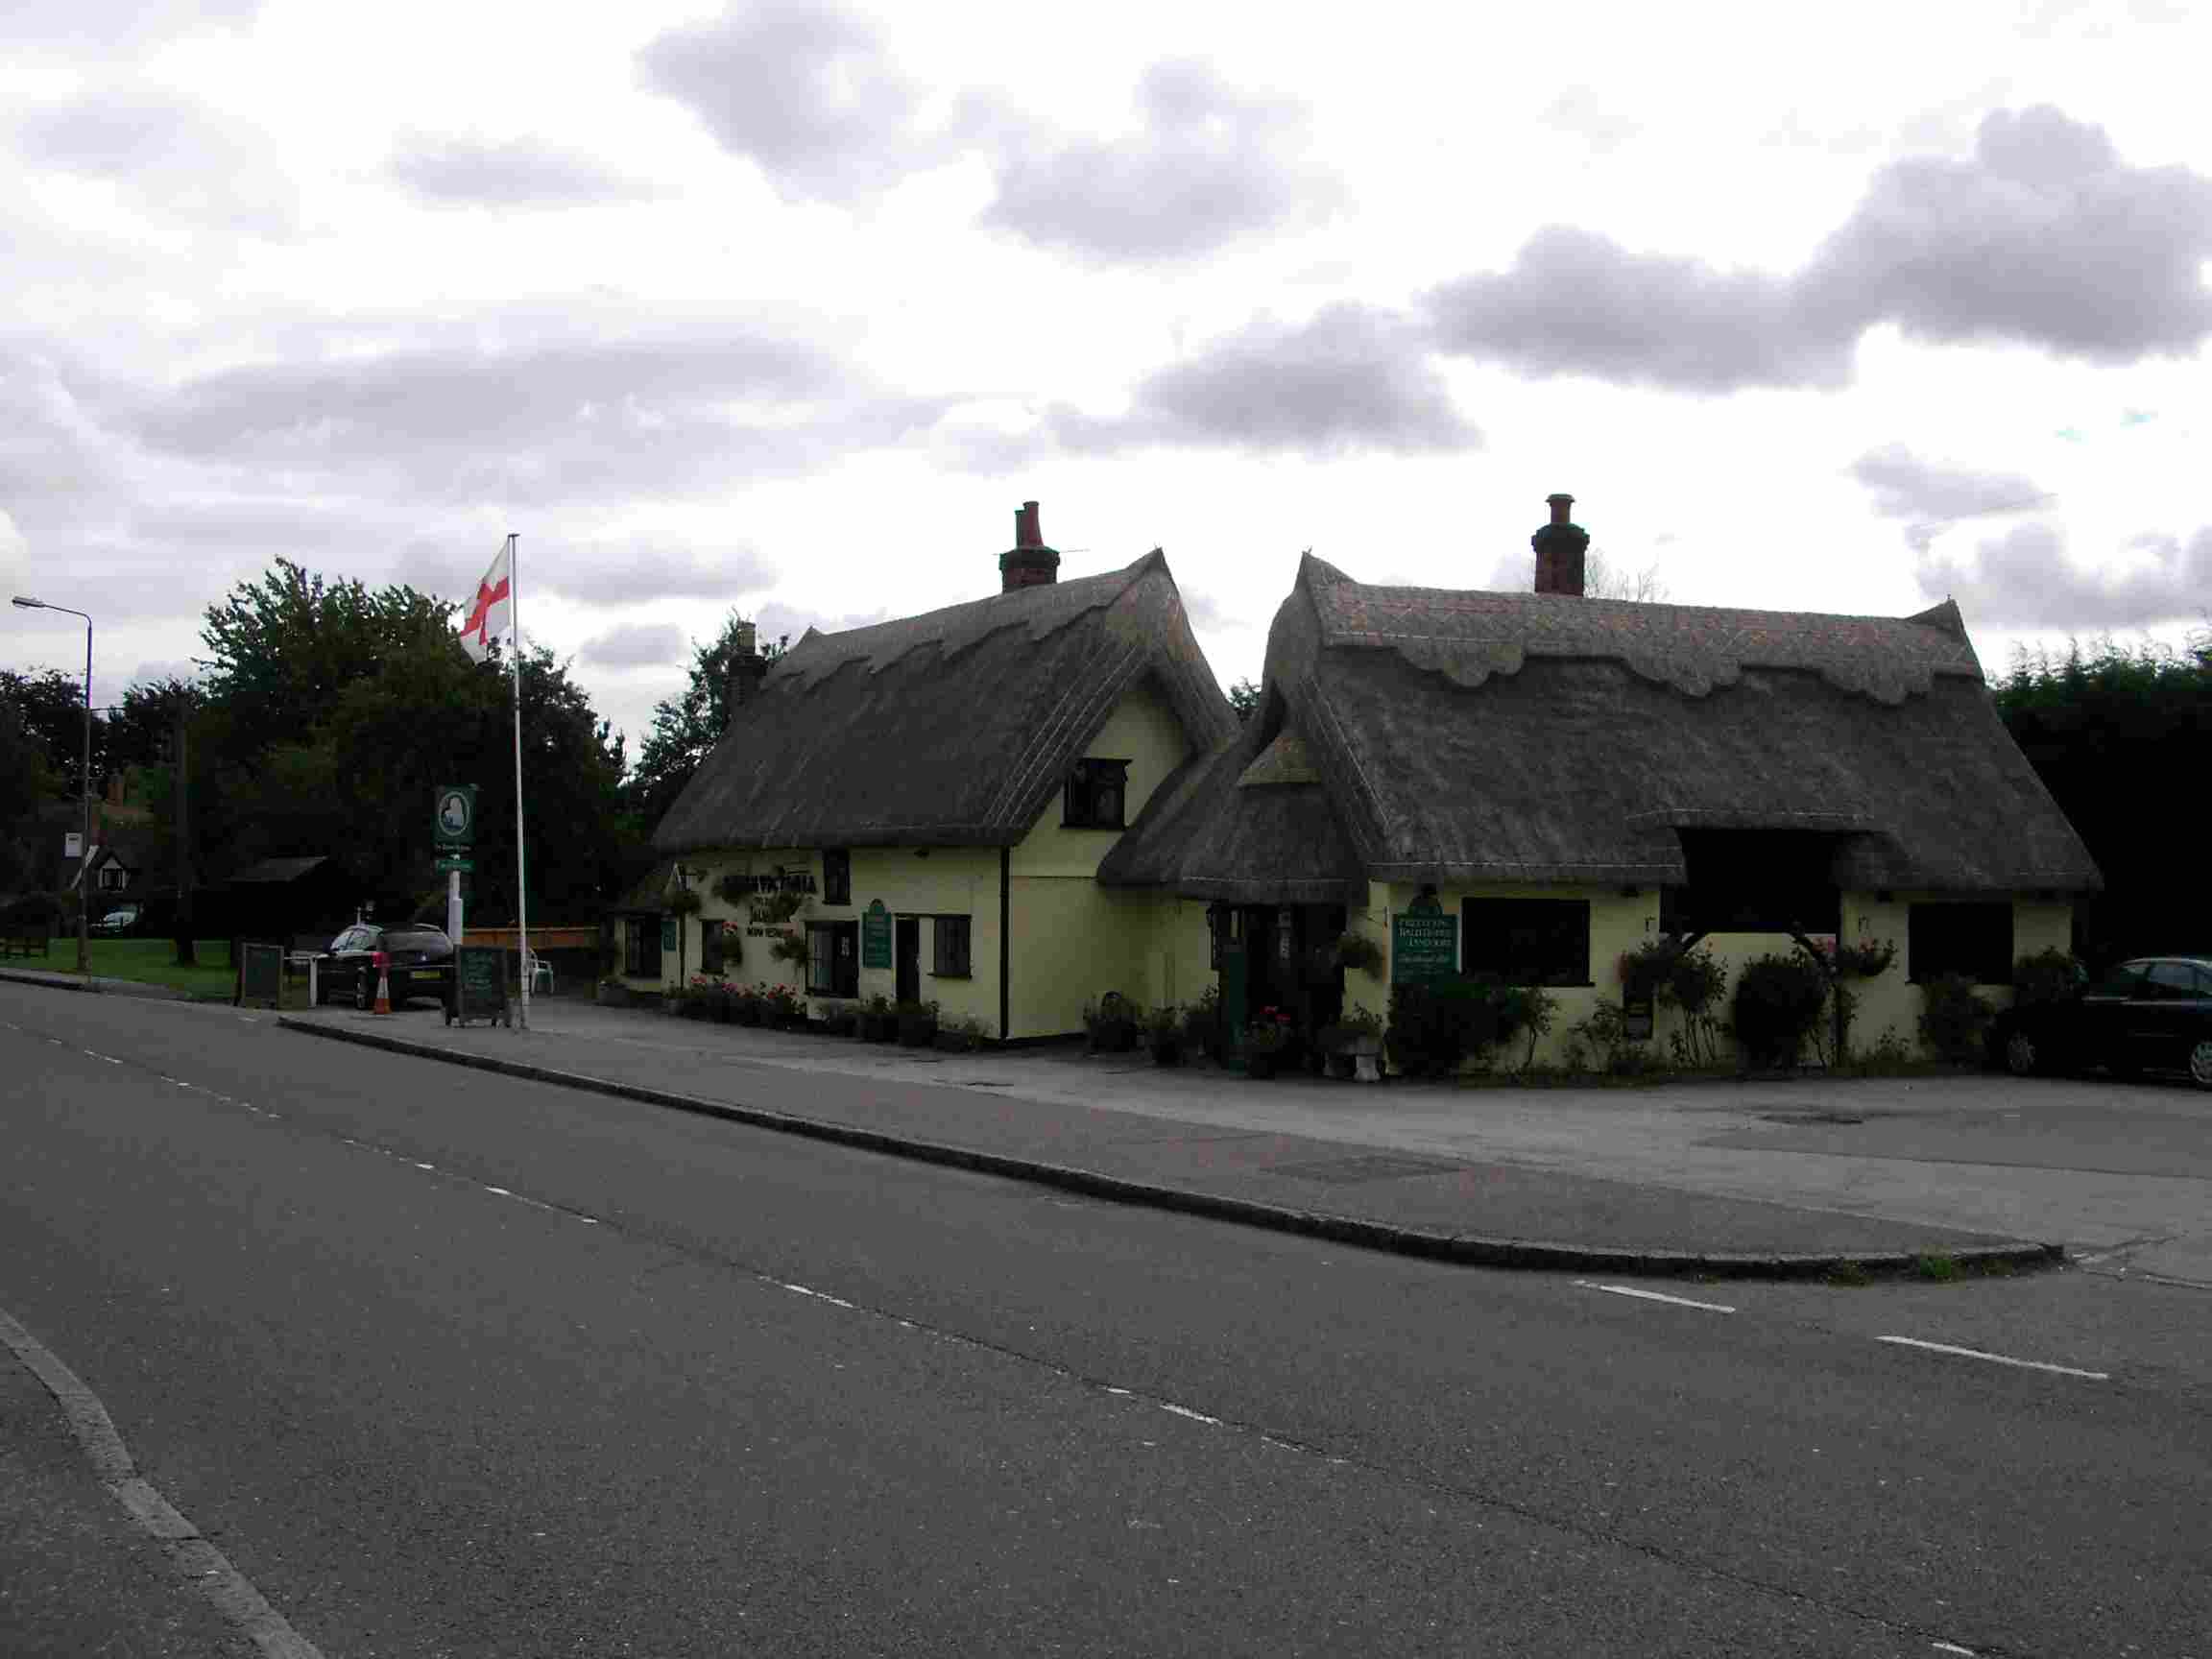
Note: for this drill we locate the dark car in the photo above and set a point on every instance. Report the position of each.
(421, 964)
(2151, 1013)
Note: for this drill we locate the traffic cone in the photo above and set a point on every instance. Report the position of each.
(383, 984)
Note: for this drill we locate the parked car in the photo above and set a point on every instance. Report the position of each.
(2152, 1013)
(421, 964)
(120, 920)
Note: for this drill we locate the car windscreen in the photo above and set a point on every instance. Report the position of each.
(417, 939)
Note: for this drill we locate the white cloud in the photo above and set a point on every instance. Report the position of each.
(636, 645)
(2024, 579)
(517, 173)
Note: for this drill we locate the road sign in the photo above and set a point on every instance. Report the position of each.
(456, 815)
(448, 865)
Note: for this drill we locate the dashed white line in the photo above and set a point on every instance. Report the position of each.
(1185, 1412)
(1653, 1296)
(1998, 1358)
(1951, 1647)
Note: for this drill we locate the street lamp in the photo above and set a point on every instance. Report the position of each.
(84, 845)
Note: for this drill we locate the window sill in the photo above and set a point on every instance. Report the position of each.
(950, 973)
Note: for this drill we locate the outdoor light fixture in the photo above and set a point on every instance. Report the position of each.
(23, 602)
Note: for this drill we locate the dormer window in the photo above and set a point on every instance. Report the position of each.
(1095, 792)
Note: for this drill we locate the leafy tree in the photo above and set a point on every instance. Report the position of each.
(1603, 579)
(1244, 697)
(2116, 734)
(49, 709)
(687, 727)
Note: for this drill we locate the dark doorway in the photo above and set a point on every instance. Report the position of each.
(908, 957)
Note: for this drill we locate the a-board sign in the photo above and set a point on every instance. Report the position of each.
(876, 935)
(479, 985)
(1423, 947)
(260, 975)
(1636, 1017)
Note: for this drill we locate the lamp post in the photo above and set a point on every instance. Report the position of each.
(83, 846)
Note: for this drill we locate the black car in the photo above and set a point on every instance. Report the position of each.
(421, 964)
(2151, 1013)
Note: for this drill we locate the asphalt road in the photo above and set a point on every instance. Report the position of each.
(448, 1364)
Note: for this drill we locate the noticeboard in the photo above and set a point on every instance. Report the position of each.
(260, 975)
(1636, 1017)
(1423, 948)
(479, 985)
(876, 935)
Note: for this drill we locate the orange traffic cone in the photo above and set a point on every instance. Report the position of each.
(383, 984)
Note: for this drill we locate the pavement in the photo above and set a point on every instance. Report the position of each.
(1794, 1177)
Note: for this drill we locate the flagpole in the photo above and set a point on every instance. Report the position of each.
(522, 883)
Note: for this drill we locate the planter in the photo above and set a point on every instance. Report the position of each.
(614, 996)
(1113, 1038)
(1260, 1067)
(746, 1012)
(915, 1033)
(1167, 1054)
(879, 1028)
(1340, 1066)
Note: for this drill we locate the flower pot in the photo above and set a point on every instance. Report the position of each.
(1260, 1067)
(1341, 1065)
(879, 1028)
(1167, 1054)
(916, 1033)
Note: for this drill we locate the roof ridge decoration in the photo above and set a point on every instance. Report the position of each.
(1468, 636)
(1044, 610)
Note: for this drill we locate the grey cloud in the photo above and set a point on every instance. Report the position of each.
(598, 573)
(2043, 236)
(1932, 498)
(789, 622)
(2023, 579)
(641, 645)
(106, 25)
(546, 423)
(1210, 166)
(181, 159)
(519, 173)
(161, 669)
(1575, 302)
(805, 90)
(1352, 379)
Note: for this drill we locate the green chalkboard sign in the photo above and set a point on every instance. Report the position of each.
(1423, 948)
(261, 975)
(479, 986)
(876, 935)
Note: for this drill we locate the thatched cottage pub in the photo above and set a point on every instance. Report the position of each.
(1521, 783)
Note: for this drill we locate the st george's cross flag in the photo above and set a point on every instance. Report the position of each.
(489, 614)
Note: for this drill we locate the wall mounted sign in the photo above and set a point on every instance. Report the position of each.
(1635, 1018)
(876, 935)
(1424, 948)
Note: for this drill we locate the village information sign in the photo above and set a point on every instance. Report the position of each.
(876, 935)
(454, 829)
(1424, 945)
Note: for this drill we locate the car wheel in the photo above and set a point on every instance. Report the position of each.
(2022, 1058)
(2201, 1063)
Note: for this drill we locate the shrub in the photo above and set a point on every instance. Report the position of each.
(1604, 1036)
(1202, 1021)
(1954, 1021)
(1269, 1032)
(2047, 977)
(1868, 959)
(1688, 981)
(1164, 1026)
(960, 1036)
(1356, 952)
(1530, 1009)
(1112, 1023)
(782, 1006)
(840, 1019)
(1434, 1028)
(684, 902)
(1778, 1001)
(917, 1023)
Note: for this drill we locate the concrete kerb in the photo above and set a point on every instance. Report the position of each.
(1465, 1249)
(95, 985)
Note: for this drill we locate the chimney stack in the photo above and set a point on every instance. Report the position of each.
(748, 667)
(1559, 549)
(1029, 562)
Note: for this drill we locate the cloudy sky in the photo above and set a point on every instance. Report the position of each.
(785, 306)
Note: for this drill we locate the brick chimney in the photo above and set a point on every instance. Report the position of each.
(1559, 549)
(1029, 562)
(748, 667)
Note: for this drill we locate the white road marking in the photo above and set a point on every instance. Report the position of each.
(501, 1190)
(1185, 1412)
(1951, 1647)
(1653, 1296)
(1998, 1359)
(190, 1554)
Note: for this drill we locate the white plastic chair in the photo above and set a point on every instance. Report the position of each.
(540, 976)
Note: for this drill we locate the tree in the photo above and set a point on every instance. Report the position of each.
(1244, 697)
(687, 727)
(49, 709)
(1603, 579)
(2115, 733)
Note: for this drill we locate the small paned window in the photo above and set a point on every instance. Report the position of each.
(836, 876)
(1096, 791)
(950, 958)
(1970, 938)
(710, 948)
(1526, 941)
(834, 958)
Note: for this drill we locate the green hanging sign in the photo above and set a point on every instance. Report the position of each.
(876, 935)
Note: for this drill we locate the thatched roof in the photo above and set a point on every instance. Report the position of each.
(949, 728)
(1249, 822)
(1476, 736)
